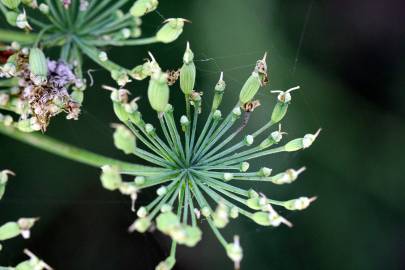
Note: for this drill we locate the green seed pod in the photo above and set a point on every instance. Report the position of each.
(158, 91)
(299, 204)
(250, 88)
(248, 141)
(140, 180)
(187, 72)
(234, 212)
(11, 4)
(221, 216)
(120, 76)
(279, 112)
(38, 66)
(171, 30)
(44, 8)
(294, 145)
(265, 172)
(287, 177)
(167, 264)
(124, 139)
(253, 193)
(193, 236)
(9, 230)
(120, 112)
(254, 203)
(217, 115)
(228, 176)
(110, 177)
(11, 18)
(262, 218)
(244, 166)
(219, 92)
(3, 181)
(206, 211)
(142, 7)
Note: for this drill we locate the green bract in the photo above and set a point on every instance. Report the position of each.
(197, 167)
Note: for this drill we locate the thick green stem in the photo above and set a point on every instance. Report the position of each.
(80, 155)
(10, 36)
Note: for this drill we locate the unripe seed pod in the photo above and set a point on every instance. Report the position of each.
(9, 230)
(235, 252)
(249, 139)
(124, 139)
(11, 18)
(11, 4)
(234, 212)
(142, 212)
(299, 204)
(161, 191)
(228, 176)
(167, 221)
(265, 171)
(44, 8)
(158, 91)
(279, 112)
(140, 225)
(38, 66)
(120, 112)
(187, 72)
(250, 88)
(167, 264)
(140, 180)
(142, 7)
(102, 56)
(206, 211)
(219, 92)
(244, 166)
(217, 115)
(171, 30)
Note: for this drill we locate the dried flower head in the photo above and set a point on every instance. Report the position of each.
(198, 171)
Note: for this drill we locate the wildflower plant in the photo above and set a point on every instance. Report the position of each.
(199, 170)
(21, 227)
(36, 87)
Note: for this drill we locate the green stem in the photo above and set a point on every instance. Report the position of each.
(67, 151)
(10, 36)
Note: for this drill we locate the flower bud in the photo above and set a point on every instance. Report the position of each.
(265, 172)
(249, 139)
(236, 113)
(11, 4)
(140, 180)
(124, 139)
(102, 56)
(269, 219)
(299, 204)
(244, 166)
(228, 176)
(235, 252)
(25, 225)
(187, 72)
(126, 33)
(38, 66)
(253, 194)
(142, 212)
(206, 211)
(167, 264)
(220, 216)
(166, 222)
(171, 30)
(161, 191)
(120, 76)
(280, 110)
(166, 208)
(193, 236)
(219, 92)
(184, 122)
(287, 177)
(142, 7)
(10, 67)
(44, 8)
(110, 177)
(140, 225)
(234, 212)
(217, 115)
(158, 91)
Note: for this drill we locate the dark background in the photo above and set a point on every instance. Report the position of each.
(348, 57)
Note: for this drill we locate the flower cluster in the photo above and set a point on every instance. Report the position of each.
(197, 172)
(78, 28)
(21, 227)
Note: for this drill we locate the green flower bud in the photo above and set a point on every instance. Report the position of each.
(3, 181)
(124, 139)
(299, 204)
(102, 56)
(219, 92)
(120, 112)
(120, 76)
(9, 230)
(142, 7)
(249, 139)
(11, 4)
(217, 115)
(171, 30)
(270, 218)
(228, 176)
(142, 212)
(166, 208)
(244, 166)
(11, 18)
(206, 211)
(161, 191)
(234, 212)
(166, 222)
(158, 91)
(44, 8)
(136, 118)
(254, 203)
(167, 264)
(193, 236)
(140, 225)
(184, 122)
(301, 143)
(150, 130)
(140, 180)
(110, 177)
(38, 66)
(236, 113)
(187, 72)
(265, 172)
(235, 252)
